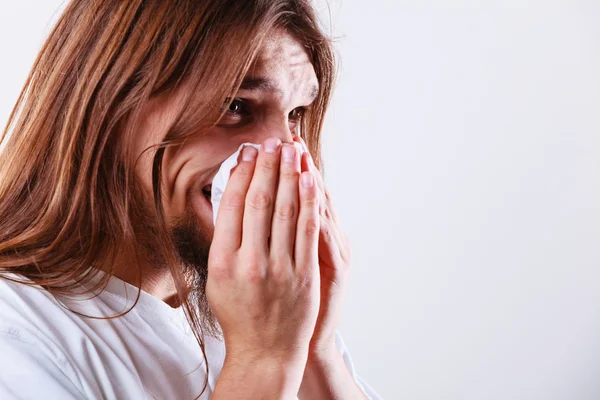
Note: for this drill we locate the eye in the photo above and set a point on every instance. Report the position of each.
(237, 107)
(236, 112)
(296, 114)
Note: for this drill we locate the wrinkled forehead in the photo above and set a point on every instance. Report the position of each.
(285, 65)
(282, 70)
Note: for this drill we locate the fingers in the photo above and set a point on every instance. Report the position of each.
(307, 231)
(264, 198)
(261, 195)
(331, 241)
(298, 139)
(283, 229)
(330, 244)
(228, 229)
(326, 207)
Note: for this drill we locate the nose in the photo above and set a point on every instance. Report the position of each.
(280, 130)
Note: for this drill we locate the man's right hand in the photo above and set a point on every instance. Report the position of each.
(263, 272)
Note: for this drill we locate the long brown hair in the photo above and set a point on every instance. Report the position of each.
(67, 198)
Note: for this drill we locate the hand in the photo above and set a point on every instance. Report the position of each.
(326, 375)
(334, 264)
(263, 277)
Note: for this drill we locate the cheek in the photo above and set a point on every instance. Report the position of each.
(200, 209)
(183, 186)
(191, 166)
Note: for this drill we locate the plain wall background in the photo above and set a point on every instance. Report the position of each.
(463, 153)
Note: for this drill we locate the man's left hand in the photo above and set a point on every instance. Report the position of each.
(334, 264)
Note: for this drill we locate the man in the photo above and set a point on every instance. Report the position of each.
(113, 281)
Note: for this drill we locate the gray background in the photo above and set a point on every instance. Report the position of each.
(463, 152)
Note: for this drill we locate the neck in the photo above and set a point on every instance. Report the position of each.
(155, 280)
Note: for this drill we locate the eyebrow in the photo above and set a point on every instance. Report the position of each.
(264, 84)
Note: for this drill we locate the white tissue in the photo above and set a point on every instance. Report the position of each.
(222, 177)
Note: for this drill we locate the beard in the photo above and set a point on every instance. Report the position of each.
(192, 241)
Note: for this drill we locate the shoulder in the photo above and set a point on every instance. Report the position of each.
(33, 317)
(26, 314)
(22, 303)
(31, 369)
(20, 300)
(29, 351)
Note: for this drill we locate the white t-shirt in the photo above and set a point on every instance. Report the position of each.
(47, 351)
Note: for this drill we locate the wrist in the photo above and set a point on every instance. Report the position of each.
(265, 361)
(323, 352)
(327, 377)
(288, 358)
(324, 358)
(281, 374)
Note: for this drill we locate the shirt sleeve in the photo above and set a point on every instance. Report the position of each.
(367, 390)
(28, 371)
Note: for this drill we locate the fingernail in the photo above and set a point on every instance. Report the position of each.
(249, 153)
(288, 152)
(271, 145)
(307, 179)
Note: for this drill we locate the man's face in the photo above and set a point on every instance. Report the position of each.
(279, 86)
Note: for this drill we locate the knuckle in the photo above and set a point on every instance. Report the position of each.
(233, 200)
(285, 212)
(321, 208)
(242, 170)
(255, 273)
(281, 261)
(328, 230)
(281, 274)
(269, 163)
(290, 175)
(260, 201)
(220, 272)
(310, 202)
(304, 278)
(327, 233)
(311, 226)
(219, 268)
(254, 270)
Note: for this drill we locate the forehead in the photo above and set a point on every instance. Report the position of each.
(282, 66)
